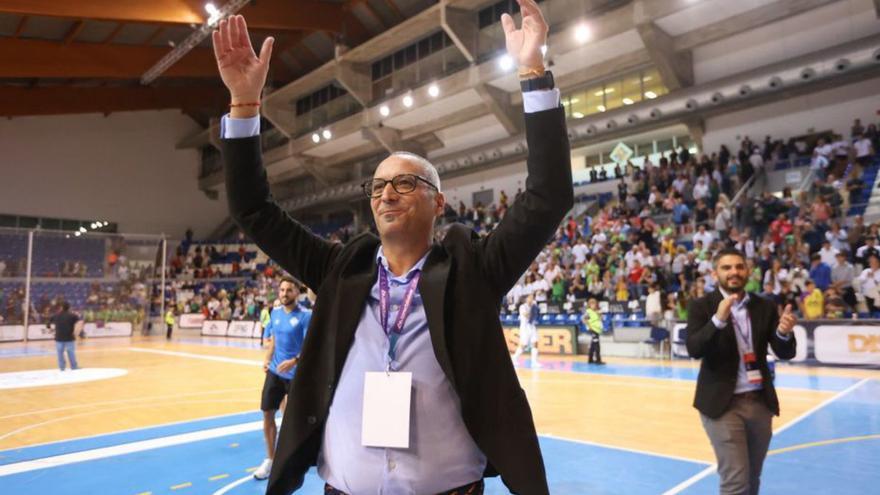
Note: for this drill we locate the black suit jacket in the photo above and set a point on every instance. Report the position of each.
(463, 281)
(720, 355)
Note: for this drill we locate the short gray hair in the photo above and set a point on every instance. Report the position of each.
(428, 168)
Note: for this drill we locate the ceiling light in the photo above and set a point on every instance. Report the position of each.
(327, 134)
(582, 33)
(627, 101)
(577, 115)
(408, 101)
(213, 13)
(82, 229)
(505, 62)
(601, 108)
(106, 223)
(316, 138)
(384, 110)
(77, 233)
(650, 95)
(575, 100)
(433, 91)
(604, 91)
(647, 78)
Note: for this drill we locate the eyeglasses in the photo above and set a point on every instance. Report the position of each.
(402, 184)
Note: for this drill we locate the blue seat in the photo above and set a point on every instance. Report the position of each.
(658, 336)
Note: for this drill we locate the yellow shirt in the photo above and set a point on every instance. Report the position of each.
(814, 305)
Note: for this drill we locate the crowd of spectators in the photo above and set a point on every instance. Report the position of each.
(648, 249)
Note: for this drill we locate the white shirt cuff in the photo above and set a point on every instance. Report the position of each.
(540, 100)
(239, 128)
(785, 337)
(718, 323)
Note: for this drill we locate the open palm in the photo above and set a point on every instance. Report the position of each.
(243, 73)
(524, 44)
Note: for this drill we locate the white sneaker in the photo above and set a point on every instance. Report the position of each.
(263, 471)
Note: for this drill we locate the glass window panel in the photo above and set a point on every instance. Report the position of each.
(653, 85)
(613, 94)
(631, 89)
(377, 70)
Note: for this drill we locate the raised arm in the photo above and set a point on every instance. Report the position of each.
(533, 217)
(300, 252)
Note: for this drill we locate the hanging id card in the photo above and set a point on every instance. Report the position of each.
(753, 373)
(386, 414)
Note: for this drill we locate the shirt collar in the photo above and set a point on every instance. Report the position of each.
(380, 258)
(740, 304)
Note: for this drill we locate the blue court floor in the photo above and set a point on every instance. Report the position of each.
(833, 449)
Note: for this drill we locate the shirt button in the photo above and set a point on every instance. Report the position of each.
(312, 420)
(391, 465)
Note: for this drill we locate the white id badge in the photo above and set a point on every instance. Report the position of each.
(386, 415)
(754, 376)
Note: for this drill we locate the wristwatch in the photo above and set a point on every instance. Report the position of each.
(542, 82)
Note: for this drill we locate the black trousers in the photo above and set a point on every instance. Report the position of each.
(594, 348)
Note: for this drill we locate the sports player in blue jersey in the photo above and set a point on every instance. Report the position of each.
(284, 334)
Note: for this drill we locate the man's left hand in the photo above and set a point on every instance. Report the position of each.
(524, 44)
(787, 321)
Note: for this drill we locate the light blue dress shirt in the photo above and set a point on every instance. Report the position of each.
(739, 312)
(442, 455)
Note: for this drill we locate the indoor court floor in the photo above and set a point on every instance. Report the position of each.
(147, 416)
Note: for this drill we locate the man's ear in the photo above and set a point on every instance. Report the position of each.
(439, 203)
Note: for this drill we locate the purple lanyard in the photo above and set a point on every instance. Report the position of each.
(384, 301)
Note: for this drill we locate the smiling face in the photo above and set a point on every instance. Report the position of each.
(412, 214)
(731, 273)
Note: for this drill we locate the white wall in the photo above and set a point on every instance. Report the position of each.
(833, 109)
(508, 178)
(121, 168)
(817, 29)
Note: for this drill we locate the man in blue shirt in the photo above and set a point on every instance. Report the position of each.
(820, 272)
(284, 333)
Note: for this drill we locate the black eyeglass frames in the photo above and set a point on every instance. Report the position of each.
(402, 184)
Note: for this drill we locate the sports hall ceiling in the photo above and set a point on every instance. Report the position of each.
(60, 57)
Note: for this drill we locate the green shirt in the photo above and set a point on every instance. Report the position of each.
(593, 320)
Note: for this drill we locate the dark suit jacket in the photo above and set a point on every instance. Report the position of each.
(720, 355)
(463, 281)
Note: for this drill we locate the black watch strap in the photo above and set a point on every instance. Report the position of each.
(537, 83)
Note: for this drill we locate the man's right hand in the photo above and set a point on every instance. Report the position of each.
(266, 366)
(723, 311)
(242, 72)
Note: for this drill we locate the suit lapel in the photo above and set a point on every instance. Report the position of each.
(432, 288)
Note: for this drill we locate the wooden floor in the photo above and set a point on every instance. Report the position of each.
(191, 378)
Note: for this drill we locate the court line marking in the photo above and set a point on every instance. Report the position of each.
(136, 399)
(129, 448)
(821, 443)
(667, 379)
(218, 477)
(234, 484)
(222, 359)
(182, 485)
(102, 411)
(625, 449)
(711, 469)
